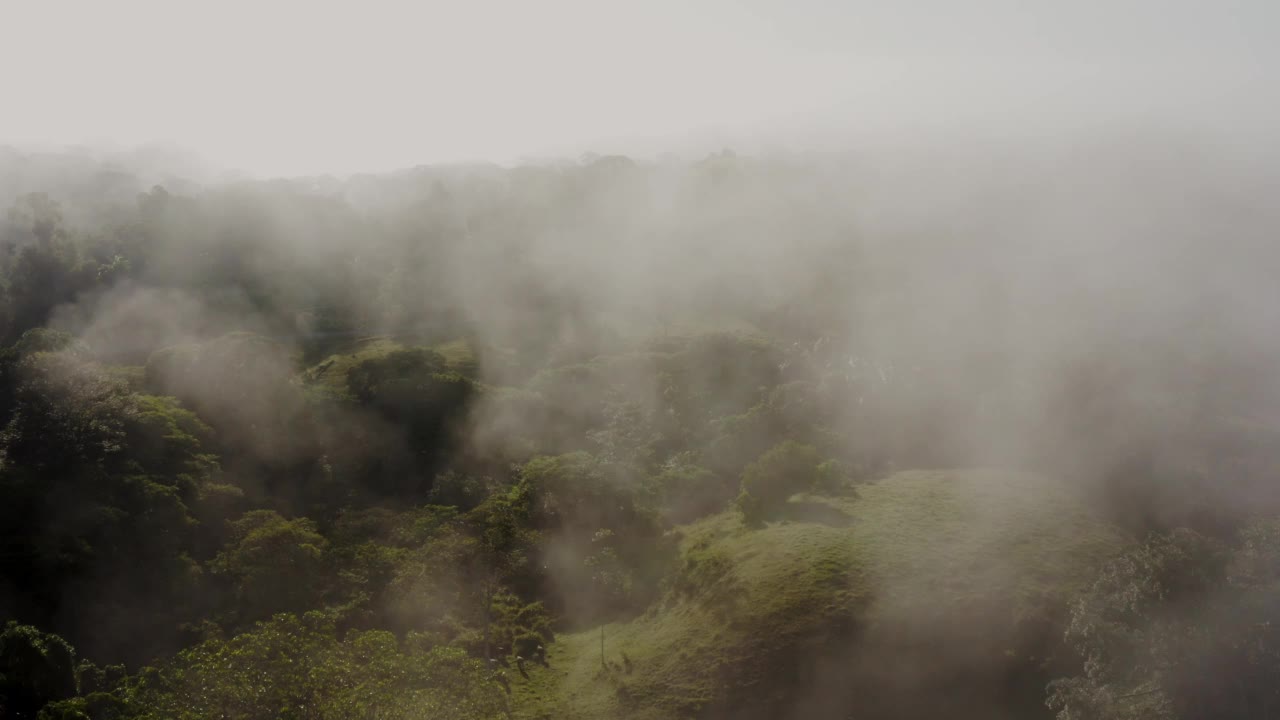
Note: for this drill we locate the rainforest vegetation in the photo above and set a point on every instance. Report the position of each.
(737, 437)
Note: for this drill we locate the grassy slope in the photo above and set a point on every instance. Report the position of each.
(922, 549)
(331, 372)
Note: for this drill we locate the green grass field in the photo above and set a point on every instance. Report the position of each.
(751, 608)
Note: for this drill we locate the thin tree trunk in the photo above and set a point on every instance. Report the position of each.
(602, 645)
(488, 611)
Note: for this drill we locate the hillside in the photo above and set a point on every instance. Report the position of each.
(947, 572)
(370, 447)
(330, 373)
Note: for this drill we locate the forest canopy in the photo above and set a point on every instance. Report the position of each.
(624, 438)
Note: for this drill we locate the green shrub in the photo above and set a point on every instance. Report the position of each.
(767, 483)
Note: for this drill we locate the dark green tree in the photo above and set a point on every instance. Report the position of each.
(96, 535)
(1182, 626)
(35, 668)
(298, 668)
(46, 270)
(425, 403)
(274, 565)
(767, 484)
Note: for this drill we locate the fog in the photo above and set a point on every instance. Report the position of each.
(294, 88)
(415, 270)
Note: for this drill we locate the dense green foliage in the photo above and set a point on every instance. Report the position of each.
(294, 667)
(389, 447)
(35, 668)
(783, 471)
(1166, 621)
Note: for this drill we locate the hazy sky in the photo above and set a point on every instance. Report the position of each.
(277, 86)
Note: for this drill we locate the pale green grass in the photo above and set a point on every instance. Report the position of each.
(330, 374)
(458, 353)
(920, 545)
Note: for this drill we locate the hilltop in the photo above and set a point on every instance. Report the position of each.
(956, 573)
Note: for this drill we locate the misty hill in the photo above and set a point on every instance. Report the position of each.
(326, 448)
(923, 592)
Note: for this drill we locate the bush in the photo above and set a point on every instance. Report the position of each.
(689, 492)
(526, 644)
(767, 483)
(832, 476)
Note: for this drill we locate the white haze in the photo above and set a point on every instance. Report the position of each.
(289, 87)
